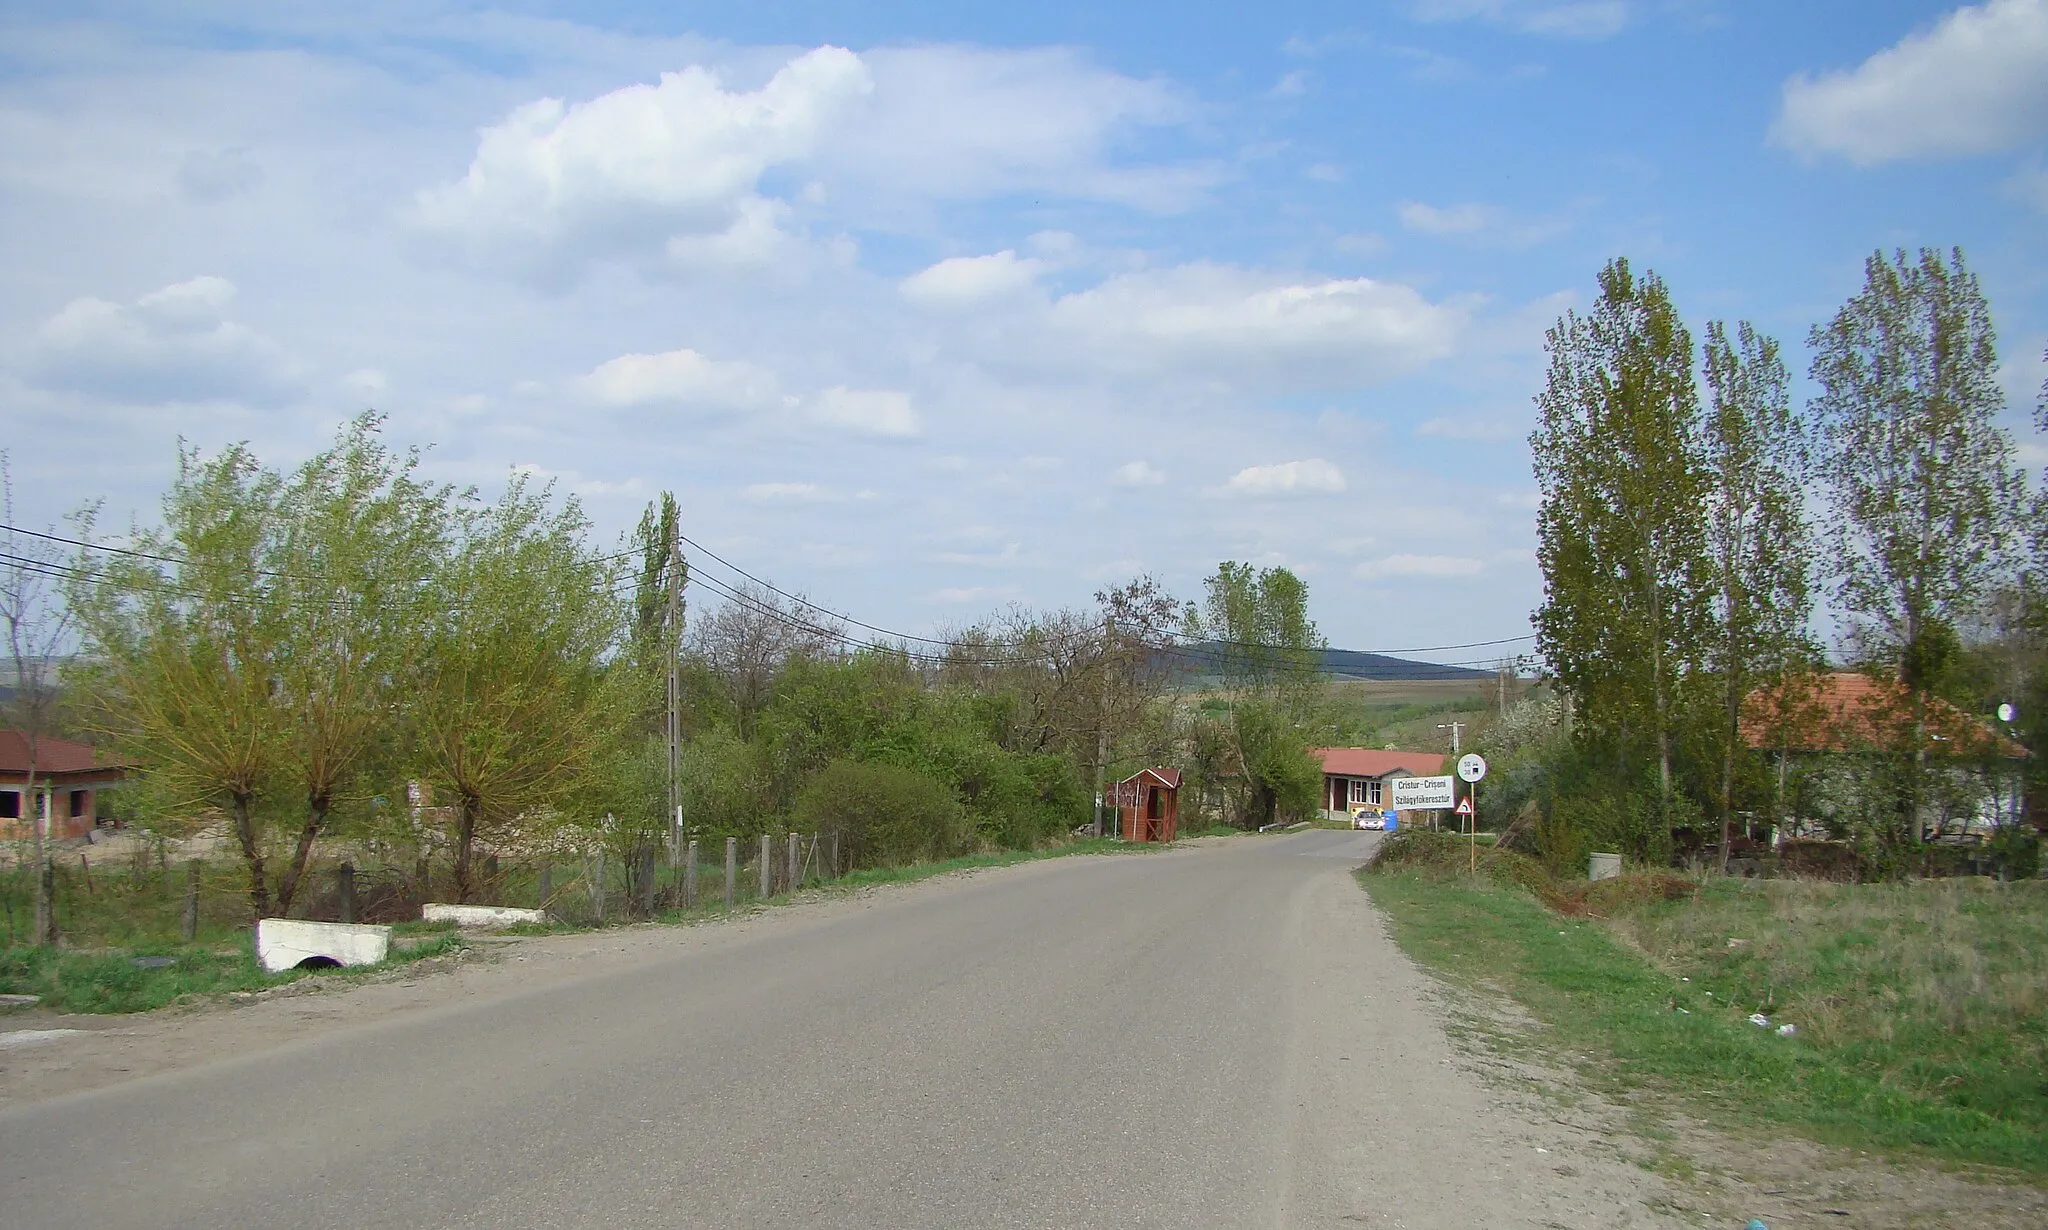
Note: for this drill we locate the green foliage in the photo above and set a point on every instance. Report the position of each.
(883, 814)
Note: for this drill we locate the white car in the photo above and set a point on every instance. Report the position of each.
(1368, 820)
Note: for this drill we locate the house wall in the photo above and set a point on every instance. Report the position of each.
(56, 801)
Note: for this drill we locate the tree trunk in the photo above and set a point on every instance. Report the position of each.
(45, 932)
(465, 847)
(1734, 733)
(252, 852)
(317, 808)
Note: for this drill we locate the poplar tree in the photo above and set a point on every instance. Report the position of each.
(1621, 532)
(1926, 493)
(1758, 542)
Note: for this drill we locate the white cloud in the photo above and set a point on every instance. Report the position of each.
(948, 122)
(1974, 82)
(1479, 222)
(1311, 477)
(1434, 566)
(1291, 85)
(1326, 173)
(209, 176)
(171, 345)
(641, 168)
(367, 382)
(1586, 19)
(670, 175)
(680, 378)
(971, 279)
(1237, 325)
(875, 412)
(797, 492)
(1139, 474)
(972, 593)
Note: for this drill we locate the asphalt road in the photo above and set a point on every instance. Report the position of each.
(1221, 1036)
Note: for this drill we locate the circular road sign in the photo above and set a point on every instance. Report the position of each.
(1472, 766)
(2007, 713)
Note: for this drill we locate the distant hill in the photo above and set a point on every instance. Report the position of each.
(1203, 657)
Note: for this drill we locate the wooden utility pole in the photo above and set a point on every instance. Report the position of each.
(673, 651)
(1102, 718)
(732, 868)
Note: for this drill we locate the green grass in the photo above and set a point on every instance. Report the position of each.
(1919, 1006)
(70, 980)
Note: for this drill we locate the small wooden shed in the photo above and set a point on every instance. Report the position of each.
(1148, 805)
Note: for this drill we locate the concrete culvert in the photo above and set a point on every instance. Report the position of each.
(318, 963)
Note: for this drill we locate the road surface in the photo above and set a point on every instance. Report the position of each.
(1220, 1036)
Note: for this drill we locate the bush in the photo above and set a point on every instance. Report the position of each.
(883, 814)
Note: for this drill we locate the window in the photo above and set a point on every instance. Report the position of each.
(10, 804)
(1357, 793)
(1372, 793)
(1364, 793)
(78, 798)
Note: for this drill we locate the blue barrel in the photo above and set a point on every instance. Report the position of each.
(1393, 821)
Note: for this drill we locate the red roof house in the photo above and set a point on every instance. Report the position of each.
(69, 777)
(1355, 777)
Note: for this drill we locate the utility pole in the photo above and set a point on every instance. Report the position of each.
(674, 652)
(1102, 718)
(1454, 728)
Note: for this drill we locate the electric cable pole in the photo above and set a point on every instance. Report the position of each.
(1102, 719)
(673, 650)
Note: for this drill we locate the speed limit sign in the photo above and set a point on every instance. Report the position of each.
(1472, 767)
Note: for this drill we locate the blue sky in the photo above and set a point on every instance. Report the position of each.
(924, 309)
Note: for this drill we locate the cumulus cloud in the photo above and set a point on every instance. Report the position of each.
(971, 279)
(1974, 82)
(1473, 430)
(670, 175)
(1246, 326)
(1587, 19)
(874, 412)
(641, 168)
(1311, 477)
(171, 345)
(1139, 474)
(208, 176)
(681, 378)
(1440, 567)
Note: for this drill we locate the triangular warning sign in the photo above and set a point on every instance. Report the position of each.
(1465, 806)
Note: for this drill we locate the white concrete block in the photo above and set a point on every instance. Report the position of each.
(282, 943)
(480, 916)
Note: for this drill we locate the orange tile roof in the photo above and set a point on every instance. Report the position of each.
(52, 756)
(1373, 762)
(1848, 711)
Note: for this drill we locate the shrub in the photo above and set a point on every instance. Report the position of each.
(884, 814)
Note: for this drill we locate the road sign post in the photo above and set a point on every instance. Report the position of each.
(1471, 768)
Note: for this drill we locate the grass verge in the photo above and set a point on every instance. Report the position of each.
(125, 980)
(1918, 1006)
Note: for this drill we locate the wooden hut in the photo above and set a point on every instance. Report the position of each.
(1148, 805)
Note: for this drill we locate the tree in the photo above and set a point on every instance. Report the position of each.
(1621, 530)
(1757, 540)
(513, 666)
(748, 638)
(349, 573)
(183, 638)
(1259, 637)
(1926, 493)
(39, 628)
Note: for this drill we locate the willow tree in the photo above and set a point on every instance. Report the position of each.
(1926, 493)
(350, 573)
(510, 709)
(1757, 538)
(183, 636)
(1621, 532)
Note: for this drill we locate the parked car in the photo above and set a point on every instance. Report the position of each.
(1363, 819)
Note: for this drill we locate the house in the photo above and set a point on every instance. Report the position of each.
(1148, 805)
(1355, 777)
(69, 778)
(1840, 727)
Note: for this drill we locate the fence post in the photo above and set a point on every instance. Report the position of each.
(732, 869)
(346, 874)
(767, 866)
(188, 919)
(794, 874)
(546, 888)
(835, 856)
(690, 876)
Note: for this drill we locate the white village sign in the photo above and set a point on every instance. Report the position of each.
(1424, 793)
